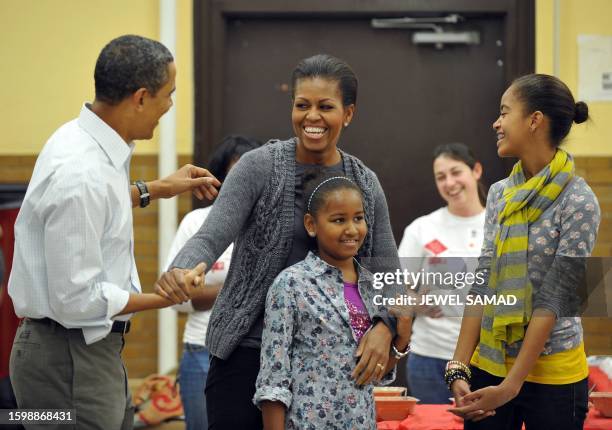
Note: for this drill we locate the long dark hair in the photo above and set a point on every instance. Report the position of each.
(461, 152)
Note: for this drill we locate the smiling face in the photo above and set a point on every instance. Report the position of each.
(318, 116)
(154, 106)
(339, 226)
(512, 126)
(457, 183)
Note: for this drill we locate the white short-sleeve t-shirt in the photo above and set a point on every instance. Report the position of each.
(441, 242)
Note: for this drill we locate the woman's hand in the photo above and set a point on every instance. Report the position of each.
(431, 311)
(482, 403)
(373, 353)
(177, 285)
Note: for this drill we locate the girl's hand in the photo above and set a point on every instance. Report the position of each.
(485, 401)
(460, 389)
(373, 353)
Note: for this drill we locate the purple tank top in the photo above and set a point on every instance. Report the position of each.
(360, 320)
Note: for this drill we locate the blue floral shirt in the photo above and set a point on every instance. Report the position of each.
(308, 348)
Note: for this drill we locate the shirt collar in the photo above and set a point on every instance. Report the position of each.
(320, 266)
(113, 145)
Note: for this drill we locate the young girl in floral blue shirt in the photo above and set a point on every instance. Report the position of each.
(316, 312)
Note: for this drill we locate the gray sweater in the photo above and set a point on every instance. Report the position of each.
(254, 210)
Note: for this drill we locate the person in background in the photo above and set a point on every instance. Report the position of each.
(448, 239)
(525, 362)
(194, 366)
(74, 279)
(261, 207)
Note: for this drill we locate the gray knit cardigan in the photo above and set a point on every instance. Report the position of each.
(255, 210)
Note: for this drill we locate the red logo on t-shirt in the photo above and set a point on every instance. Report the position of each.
(219, 265)
(436, 247)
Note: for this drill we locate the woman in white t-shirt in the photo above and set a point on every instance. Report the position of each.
(444, 244)
(194, 365)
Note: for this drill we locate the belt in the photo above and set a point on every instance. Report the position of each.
(122, 327)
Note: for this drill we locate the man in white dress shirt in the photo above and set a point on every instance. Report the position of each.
(74, 278)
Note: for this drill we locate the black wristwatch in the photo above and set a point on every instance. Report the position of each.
(145, 197)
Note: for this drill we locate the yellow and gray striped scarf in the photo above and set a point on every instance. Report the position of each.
(522, 203)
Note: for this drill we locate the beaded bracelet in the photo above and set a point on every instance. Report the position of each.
(451, 375)
(449, 381)
(455, 364)
(456, 371)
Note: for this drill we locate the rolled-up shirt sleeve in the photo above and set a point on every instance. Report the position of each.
(274, 382)
(74, 225)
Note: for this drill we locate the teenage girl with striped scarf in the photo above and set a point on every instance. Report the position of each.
(526, 363)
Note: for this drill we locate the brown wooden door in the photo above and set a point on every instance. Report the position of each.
(411, 97)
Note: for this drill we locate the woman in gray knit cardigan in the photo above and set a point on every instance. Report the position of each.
(261, 209)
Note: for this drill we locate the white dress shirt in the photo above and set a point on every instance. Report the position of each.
(197, 321)
(74, 259)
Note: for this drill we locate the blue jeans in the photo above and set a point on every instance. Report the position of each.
(193, 372)
(426, 379)
(539, 406)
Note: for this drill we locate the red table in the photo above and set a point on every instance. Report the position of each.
(436, 417)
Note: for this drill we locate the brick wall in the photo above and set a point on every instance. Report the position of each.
(598, 173)
(141, 349)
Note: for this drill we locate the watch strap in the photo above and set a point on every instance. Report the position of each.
(145, 197)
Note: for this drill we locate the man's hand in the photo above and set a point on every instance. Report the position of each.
(177, 285)
(189, 177)
(373, 353)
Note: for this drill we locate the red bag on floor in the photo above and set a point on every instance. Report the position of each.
(157, 399)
